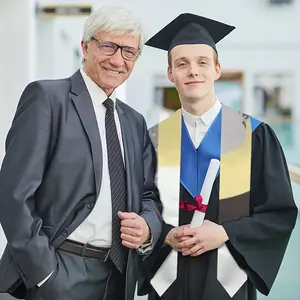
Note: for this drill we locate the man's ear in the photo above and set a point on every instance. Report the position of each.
(84, 48)
(170, 75)
(218, 72)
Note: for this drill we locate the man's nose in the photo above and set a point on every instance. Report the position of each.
(117, 60)
(193, 70)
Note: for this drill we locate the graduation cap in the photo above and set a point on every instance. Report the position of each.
(190, 29)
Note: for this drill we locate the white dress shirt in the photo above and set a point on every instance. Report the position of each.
(96, 229)
(198, 125)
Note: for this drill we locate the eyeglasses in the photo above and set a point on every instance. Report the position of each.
(110, 48)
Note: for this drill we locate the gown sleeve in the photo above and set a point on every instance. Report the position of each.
(154, 261)
(258, 242)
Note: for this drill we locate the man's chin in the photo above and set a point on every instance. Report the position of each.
(110, 85)
(194, 97)
(114, 82)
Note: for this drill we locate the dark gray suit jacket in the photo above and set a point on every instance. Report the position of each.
(51, 177)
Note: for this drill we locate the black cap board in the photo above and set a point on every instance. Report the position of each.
(188, 28)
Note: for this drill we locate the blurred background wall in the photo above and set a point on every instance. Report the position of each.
(260, 62)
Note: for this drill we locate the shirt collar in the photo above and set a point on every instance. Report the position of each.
(98, 96)
(207, 118)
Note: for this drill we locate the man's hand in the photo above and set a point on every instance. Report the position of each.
(204, 238)
(174, 238)
(134, 230)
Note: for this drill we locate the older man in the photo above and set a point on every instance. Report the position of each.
(79, 206)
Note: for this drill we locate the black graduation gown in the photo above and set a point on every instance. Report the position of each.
(257, 243)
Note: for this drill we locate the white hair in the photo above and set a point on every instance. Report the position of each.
(114, 20)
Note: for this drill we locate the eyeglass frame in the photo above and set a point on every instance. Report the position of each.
(99, 42)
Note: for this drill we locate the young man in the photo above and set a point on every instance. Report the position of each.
(79, 206)
(221, 165)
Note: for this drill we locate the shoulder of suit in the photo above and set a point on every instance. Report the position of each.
(55, 90)
(53, 85)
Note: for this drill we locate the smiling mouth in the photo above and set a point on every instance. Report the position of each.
(113, 71)
(193, 82)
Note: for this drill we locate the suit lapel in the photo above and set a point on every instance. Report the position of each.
(84, 106)
(128, 150)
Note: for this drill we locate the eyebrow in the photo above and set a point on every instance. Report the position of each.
(108, 41)
(205, 57)
(185, 59)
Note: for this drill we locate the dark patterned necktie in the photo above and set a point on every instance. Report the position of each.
(118, 252)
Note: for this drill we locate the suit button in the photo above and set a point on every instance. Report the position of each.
(90, 205)
(65, 232)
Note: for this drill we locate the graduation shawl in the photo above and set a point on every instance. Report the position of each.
(182, 167)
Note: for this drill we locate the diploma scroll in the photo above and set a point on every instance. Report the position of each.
(210, 177)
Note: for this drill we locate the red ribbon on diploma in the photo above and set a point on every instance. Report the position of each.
(190, 207)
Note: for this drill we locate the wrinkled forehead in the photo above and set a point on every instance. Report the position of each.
(122, 39)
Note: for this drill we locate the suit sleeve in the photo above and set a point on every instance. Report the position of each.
(151, 204)
(258, 243)
(24, 164)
